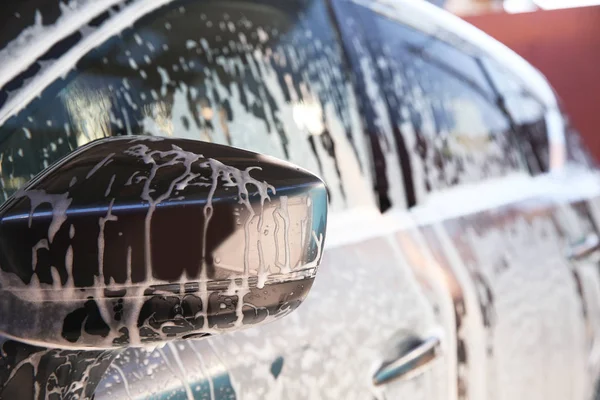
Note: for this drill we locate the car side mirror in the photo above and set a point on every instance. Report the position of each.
(130, 240)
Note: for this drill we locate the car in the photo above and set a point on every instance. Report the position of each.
(169, 170)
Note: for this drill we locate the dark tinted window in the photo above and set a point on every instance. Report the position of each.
(443, 104)
(262, 75)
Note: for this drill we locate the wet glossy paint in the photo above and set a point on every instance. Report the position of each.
(132, 268)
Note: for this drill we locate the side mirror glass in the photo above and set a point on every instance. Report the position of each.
(131, 240)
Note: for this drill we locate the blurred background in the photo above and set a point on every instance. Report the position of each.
(561, 38)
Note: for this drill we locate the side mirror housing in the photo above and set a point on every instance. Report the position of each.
(131, 240)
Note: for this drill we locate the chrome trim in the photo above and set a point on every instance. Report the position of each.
(408, 363)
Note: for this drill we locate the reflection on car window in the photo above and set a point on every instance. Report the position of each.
(443, 105)
(260, 75)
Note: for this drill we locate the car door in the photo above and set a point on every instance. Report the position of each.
(366, 296)
(269, 77)
(488, 212)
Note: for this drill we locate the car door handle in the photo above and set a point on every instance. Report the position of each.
(584, 248)
(409, 357)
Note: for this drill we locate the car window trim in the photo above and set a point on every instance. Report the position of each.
(37, 48)
(121, 21)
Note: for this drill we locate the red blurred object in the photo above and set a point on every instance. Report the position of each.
(565, 46)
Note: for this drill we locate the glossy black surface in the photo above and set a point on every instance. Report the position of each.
(110, 179)
(159, 236)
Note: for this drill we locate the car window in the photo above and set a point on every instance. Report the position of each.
(527, 113)
(260, 75)
(577, 152)
(443, 104)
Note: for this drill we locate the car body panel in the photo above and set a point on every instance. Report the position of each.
(328, 349)
(493, 231)
(528, 302)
